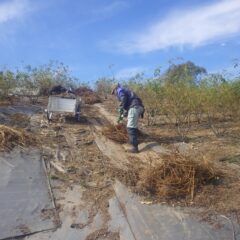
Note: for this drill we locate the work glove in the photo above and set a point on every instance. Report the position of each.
(125, 113)
(120, 111)
(120, 117)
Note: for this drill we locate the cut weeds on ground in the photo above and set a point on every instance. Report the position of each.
(178, 177)
(117, 133)
(178, 180)
(87, 95)
(11, 137)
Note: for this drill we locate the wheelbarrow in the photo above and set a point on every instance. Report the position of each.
(60, 104)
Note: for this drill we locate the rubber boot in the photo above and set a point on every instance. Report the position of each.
(134, 149)
(133, 139)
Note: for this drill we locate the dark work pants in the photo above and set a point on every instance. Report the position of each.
(133, 136)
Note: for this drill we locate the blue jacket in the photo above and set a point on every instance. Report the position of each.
(127, 98)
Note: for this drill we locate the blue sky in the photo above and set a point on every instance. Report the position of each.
(98, 38)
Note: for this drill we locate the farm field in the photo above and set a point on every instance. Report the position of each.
(100, 191)
(119, 120)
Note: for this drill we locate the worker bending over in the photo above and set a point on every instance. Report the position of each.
(130, 106)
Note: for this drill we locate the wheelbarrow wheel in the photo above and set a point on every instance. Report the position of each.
(77, 117)
(49, 116)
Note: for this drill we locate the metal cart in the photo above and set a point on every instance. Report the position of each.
(63, 105)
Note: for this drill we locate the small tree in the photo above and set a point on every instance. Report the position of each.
(186, 73)
(7, 82)
(40, 79)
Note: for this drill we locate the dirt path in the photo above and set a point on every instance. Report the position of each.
(150, 150)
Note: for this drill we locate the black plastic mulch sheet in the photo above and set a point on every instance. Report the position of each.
(26, 205)
(159, 222)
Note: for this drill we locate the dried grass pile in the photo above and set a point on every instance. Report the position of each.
(82, 90)
(87, 95)
(91, 99)
(19, 119)
(11, 137)
(8, 100)
(178, 177)
(5, 103)
(117, 133)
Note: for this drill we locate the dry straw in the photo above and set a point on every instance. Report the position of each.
(11, 137)
(178, 177)
(87, 95)
(117, 133)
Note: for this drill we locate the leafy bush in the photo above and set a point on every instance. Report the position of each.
(186, 94)
(35, 80)
(7, 82)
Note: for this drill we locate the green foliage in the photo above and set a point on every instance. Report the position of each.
(36, 80)
(7, 82)
(46, 76)
(185, 94)
(185, 73)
